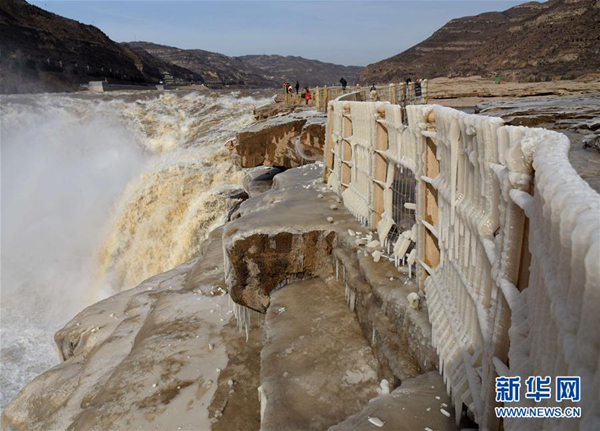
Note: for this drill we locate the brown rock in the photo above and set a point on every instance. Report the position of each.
(289, 141)
(268, 111)
(263, 262)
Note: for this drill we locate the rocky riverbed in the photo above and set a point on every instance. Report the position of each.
(577, 116)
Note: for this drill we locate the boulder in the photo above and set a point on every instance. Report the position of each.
(286, 140)
(273, 109)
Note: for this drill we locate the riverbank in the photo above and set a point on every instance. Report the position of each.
(168, 354)
(290, 301)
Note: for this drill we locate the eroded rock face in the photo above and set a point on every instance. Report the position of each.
(260, 179)
(285, 234)
(263, 262)
(273, 109)
(312, 140)
(288, 140)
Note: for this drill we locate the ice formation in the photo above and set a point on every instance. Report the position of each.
(516, 278)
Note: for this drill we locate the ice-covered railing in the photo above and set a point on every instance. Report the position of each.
(506, 238)
(556, 320)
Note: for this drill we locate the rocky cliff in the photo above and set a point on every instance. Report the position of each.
(532, 41)
(215, 69)
(309, 72)
(338, 330)
(42, 51)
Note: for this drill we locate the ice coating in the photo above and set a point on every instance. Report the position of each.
(518, 236)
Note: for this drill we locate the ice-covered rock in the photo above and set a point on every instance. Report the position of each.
(407, 408)
(373, 244)
(151, 368)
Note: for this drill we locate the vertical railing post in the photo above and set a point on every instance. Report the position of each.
(393, 95)
(425, 90)
(346, 164)
(329, 142)
(325, 97)
(410, 94)
(379, 166)
(402, 96)
(430, 254)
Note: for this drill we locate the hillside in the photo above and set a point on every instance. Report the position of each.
(533, 41)
(215, 69)
(308, 72)
(156, 67)
(42, 51)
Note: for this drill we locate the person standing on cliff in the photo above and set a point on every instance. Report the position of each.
(297, 87)
(306, 94)
(344, 83)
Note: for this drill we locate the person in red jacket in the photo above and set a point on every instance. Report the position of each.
(306, 94)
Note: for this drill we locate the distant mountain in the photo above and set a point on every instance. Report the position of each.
(309, 72)
(215, 69)
(532, 41)
(156, 67)
(249, 70)
(42, 51)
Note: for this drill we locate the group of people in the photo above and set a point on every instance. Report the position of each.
(287, 87)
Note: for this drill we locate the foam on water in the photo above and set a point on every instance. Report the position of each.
(100, 192)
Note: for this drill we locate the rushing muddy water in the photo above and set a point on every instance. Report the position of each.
(100, 192)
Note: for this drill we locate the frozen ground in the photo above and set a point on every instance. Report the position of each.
(317, 368)
(420, 403)
(577, 116)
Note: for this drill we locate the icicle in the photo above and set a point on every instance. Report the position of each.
(247, 331)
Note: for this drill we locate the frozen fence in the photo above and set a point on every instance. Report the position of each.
(505, 234)
(401, 94)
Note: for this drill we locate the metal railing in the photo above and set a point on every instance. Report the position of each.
(402, 94)
(505, 243)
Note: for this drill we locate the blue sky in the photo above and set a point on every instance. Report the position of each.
(350, 32)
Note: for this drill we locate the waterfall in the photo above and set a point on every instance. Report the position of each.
(100, 192)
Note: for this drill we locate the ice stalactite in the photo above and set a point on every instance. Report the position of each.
(350, 296)
(243, 316)
(262, 398)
